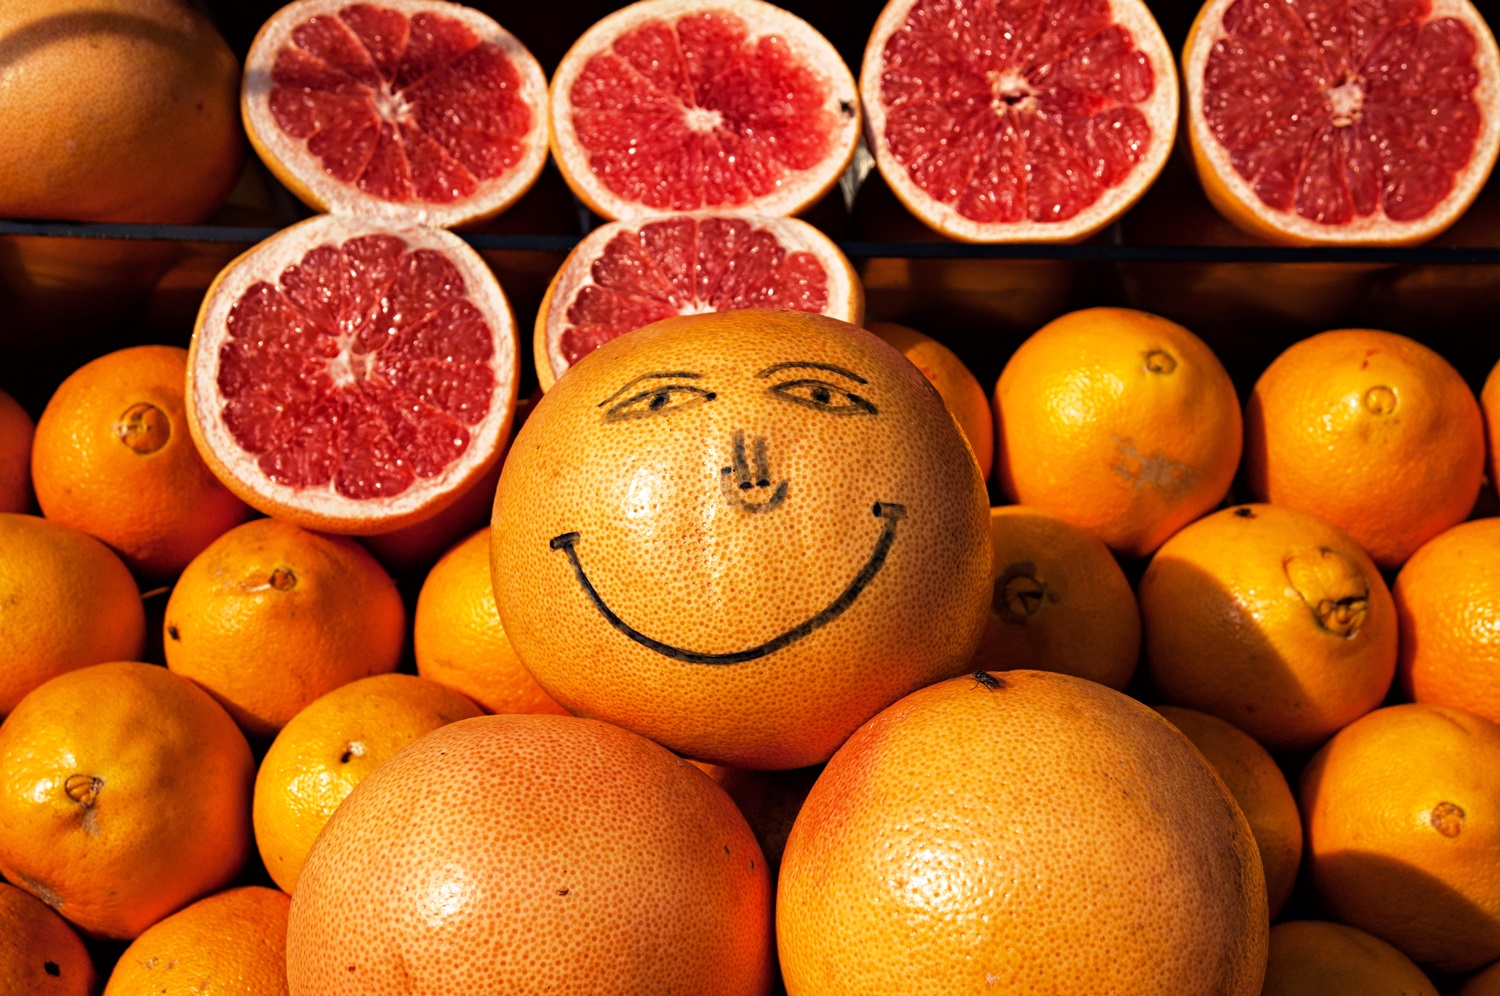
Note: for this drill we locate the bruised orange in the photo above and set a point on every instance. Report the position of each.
(1315, 957)
(39, 953)
(741, 534)
(16, 430)
(1118, 421)
(229, 943)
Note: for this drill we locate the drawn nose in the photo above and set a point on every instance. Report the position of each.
(748, 476)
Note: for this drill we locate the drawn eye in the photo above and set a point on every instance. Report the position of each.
(658, 401)
(823, 396)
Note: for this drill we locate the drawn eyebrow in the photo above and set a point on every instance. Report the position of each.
(674, 374)
(768, 371)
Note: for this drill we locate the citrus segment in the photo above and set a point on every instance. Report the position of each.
(353, 376)
(417, 109)
(677, 105)
(1000, 121)
(1325, 121)
(627, 274)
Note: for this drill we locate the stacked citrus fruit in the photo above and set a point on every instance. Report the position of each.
(769, 650)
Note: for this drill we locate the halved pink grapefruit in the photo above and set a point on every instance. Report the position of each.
(352, 375)
(626, 274)
(1325, 121)
(684, 105)
(1018, 121)
(418, 110)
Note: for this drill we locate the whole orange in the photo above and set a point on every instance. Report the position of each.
(1447, 599)
(1484, 983)
(270, 616)
(1029, 832)
(328, 748)
(39, 953)
(116, 110)
(229, 943)
(124, 795)
(1257, 784)
(16, 430)
(527, 853)
(1118, 421)
(113, 457)
(1489, 406)
(960, 389)
(1370, 431)
(459, 641)
(1271, 619)
(1403, 837)
(67, 600)
(741, 534)
(1061, 602)
(1316, 958)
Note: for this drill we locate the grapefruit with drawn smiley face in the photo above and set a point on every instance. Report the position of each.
(741, 534)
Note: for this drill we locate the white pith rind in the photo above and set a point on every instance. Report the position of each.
(290, 160)
(1376, 228)
(1160, 110)
(797, 190)
(266, 262)
(845, 295)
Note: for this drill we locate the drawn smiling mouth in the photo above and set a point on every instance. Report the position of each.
(888, 512)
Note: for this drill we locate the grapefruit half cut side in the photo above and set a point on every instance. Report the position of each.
(418, 110)
(626, 274)
(1018, 121)
(352, 375)
(1326, 122)
(686, 105)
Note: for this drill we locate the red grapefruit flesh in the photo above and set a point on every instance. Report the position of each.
(351, 375)
(1325, 121)
(413, 109)
(681, 105)
(1018, 121)
(626, 274)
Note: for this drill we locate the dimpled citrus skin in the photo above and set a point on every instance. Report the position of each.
(69, 602)
(112, 456)
(1403, 839)
(16, 429)
(961, 391)
(330, 747)
(1061, 602)
(1231, 609)
(1315, 957)
(690, 546)
(529, 853)
(1118, 421)
(459, 641)
(1447, 598)
(1046, 835)
(228, 944)
(1257, 784)
(124, 795)
(1370, 431)
(39, 953)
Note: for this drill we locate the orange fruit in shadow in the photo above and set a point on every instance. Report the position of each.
(124, 795)
(959, 387)
(741, 534)
(1447, 599)
(1257, 784)
(1485, 983)
(1270, 619)
(270, 616)
(1315, 957)
(1489, 400)
(1403, 840)
(769, 801)
(1020, 834)
(459, 641)
(1061, 602)
(1118, 421)
(517, 853)
(117, 110)
(39, 953)
(69, 602)
(113, 457)
(16, 429)
(231, 942)
(1370, 431)
(328, 748)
